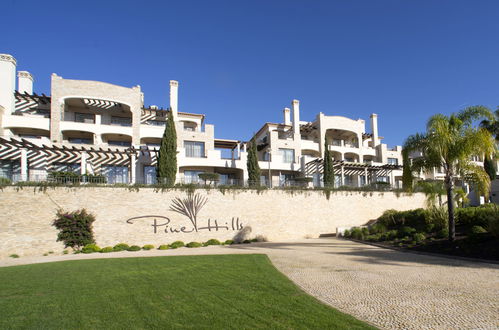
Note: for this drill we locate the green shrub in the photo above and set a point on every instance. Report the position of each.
(14, 256)
(177, 244)
(148, 247)
(229, 242)
(107, 249)
(477, 216)
(357, 233)
(134, 248)
(65, 252)
(75, 228)
(246, 241)
(164, 247)
(90, 248)
(5, 182)
(377, 228)
(418, 238)
(346, 233)
(212, 242)
(437, 219)
(193, 245)
(365, 231)
(406, 231)
(493, 226)
(443, 233)
(374, 237)
(254, 240)
(391, 235)
(120, 247)
(477, 230)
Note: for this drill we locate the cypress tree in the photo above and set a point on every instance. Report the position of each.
(328, 166)
(490, 167)
(252, 165)
(167, 157)
(407, 178)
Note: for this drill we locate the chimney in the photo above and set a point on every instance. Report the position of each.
(374, 128)
(24, 82)
(174, 98)
(287, 116)
(295, 104)
(7, 82)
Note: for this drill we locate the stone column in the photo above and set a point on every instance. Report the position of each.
(365, 175)
(133, 167)
(342, 175)
(24, 165)
(83, 163)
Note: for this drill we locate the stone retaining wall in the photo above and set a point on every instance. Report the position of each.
(145, 216)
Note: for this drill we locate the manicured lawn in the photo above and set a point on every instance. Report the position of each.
(227, 291)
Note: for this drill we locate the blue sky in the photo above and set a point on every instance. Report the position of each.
(242, 62)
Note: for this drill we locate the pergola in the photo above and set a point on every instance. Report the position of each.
(347, 168)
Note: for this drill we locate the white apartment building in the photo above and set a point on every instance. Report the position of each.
(91, 127)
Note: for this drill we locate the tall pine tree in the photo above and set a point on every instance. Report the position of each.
(166, 170)
(328, 166)
(252, 165)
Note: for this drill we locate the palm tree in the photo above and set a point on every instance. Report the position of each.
(433, 191)
(493, 127)
(449, 143)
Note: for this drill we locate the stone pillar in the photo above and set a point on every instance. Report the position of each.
(83, 163)
(98, 119)
(342, 175)
(133, 168)
(7, 82)
(174, 99)
(238, 150)
(366, 176)
(24, 165)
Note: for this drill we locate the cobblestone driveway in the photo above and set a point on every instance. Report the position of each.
(390, 289)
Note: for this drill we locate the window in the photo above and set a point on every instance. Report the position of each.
(191, 176)
(120, 143)
(266, 156)
(191, 127)
(393, 161)
(121, 121)
(88, 118)
(115, 174)
(80, 141)
(286, 179)
(288, 155)
(149, 174)
(10, 169)
(194, 149)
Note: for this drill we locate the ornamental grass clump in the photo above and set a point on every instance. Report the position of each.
(177, 244)
(212, 242)
(107, 249)
(148, 247)
(134, 248)
(164, 247)
(121, 247)
(194, 245)
(90, 248)
(75, 228)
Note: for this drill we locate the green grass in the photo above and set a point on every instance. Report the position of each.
(227, 291)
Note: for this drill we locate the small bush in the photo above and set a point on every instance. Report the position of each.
(390, 235)
(246, 241)
(65, 252)
(75, 228)
(121, 247)
(377, 228)
(212, 242)
(443, 233)
(373, 237)
(5, 182)
(254, 240)
(164, 247)
(346, 233)
(194, 245)
(90, 248)
(406, 231)
(14, 256)
(477, 230)
(229, 242)
(356, 233)
(107, 249)
(134, 248)
(177, 244)
(477, 216)
(418, 238)
(148, 247)
(365, 231)
(493, 226)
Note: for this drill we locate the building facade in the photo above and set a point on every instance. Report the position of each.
(91, 127)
